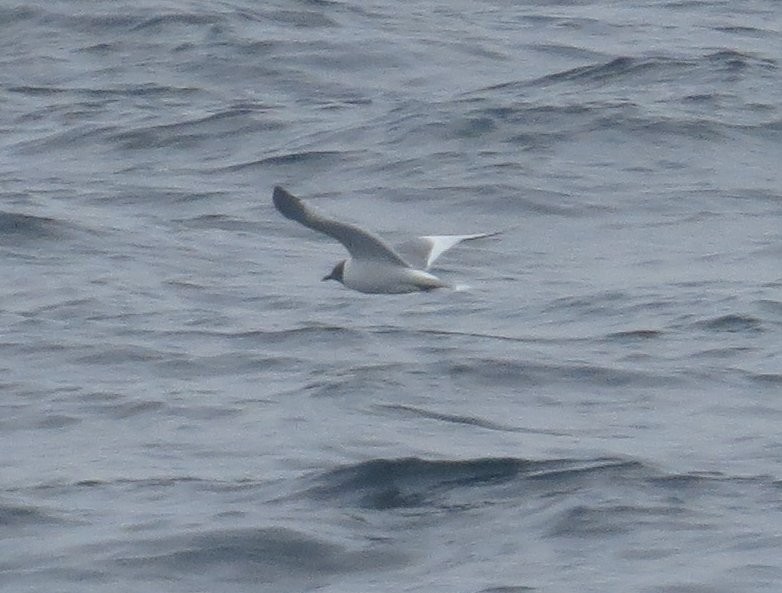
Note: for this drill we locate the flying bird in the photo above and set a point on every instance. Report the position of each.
(373, 266)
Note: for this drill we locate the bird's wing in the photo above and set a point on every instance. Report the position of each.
(361, 244)
(423, 251)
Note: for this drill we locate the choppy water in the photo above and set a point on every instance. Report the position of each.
(185, 407)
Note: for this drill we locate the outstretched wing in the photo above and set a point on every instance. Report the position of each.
(361, 244)
(423, 251)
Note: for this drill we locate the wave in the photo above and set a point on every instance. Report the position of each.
(66, 139)
(766, 379)
(227, 123)
(457, 419)
(732, 323)
(16, 516)
(256, 555)
(517, 373)
(382, 484)
(622, 68)
(308, 158)
(146, 89)
(538, 113)
(635, 335)
(27, 226)
(601, 520)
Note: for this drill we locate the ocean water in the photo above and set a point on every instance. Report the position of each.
(185, 407)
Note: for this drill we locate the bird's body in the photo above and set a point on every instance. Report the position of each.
(372, 277)
(373, 266)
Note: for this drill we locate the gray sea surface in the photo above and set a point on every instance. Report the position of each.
(186, 407)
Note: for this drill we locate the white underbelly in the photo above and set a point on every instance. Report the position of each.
(379, 277)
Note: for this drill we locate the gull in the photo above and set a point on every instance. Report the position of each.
(373, 266)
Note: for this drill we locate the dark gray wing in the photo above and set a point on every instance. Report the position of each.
(359, 243)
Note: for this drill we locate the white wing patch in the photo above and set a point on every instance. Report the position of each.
(422, 252)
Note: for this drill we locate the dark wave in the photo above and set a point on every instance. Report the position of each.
(17, 14)
(415, 483)
(66, 139)
(229, 123)
(635, 335)
(169, 362)
(516, 373)
(160, 22)
(733, 60)
(136, 90)
(732, 323)
(311, 333)
(766, 379)
(27, 226)
(596, 521)
(303, 18)
(223, 222)
(599, 71)
(383, 484)
(576, 103)
(460, 419)
(257, 555)
(25, 516)
(617, 68)
(624, 67)
(771, 307)
(398, 483)
(540, 127)
(309, 158)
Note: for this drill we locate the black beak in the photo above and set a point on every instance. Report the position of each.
(329, 277)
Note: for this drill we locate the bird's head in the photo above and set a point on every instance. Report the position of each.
(337, 273)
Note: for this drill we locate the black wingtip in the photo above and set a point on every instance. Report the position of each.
(289, 205)
(280, 194)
